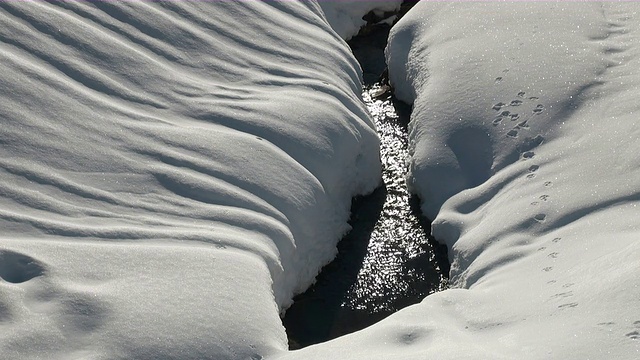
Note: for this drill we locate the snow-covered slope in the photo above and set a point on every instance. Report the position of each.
(525, 149)
(172, 172)
(167, 169)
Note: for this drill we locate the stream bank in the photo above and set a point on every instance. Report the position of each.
(388, 260)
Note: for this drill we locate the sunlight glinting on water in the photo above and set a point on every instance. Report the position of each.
(397, 239)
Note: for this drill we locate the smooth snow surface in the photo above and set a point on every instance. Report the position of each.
(525, 151)
(171, 173)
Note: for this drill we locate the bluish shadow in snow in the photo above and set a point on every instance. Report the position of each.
(318, 314)
(18, 268)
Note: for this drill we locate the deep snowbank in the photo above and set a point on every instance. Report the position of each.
(167, 168)
(524, 149)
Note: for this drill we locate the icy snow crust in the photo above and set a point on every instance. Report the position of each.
(171, 173)
(540, 209)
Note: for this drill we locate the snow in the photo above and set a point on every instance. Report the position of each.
(169, 179)
(345, 17)
(540, 217)
(170, 176)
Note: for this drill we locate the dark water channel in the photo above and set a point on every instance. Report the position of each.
(388, 260)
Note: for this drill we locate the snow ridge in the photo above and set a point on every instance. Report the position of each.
(172, 173)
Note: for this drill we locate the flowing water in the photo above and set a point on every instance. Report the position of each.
(388, 260)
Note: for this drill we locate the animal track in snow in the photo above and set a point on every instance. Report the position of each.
(567, 306)
(538, 140)
(528, 155)
(607, 323)
(547, 269)
(634, 335)
(553, 255)
(519, 101)
(563, 294)
(540, 218)
(556, 240)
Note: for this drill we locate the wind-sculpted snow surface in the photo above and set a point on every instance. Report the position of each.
(166, 170)
(524, 136)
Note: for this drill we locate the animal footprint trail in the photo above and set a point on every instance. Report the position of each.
(519, 102)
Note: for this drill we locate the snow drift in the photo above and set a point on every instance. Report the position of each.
(524, 138)
(171, 173)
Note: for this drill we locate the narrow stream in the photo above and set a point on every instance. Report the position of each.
(388, 260)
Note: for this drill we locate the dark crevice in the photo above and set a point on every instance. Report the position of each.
(388, 260)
